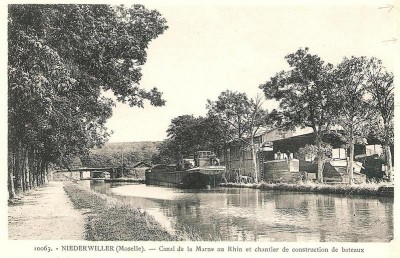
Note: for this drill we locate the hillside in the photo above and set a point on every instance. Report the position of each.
(111, 154)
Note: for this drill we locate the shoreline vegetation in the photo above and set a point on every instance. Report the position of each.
(368, 189)
(109, 219)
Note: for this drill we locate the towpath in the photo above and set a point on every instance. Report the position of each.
(45, 214)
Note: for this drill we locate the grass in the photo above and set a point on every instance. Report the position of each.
(112, 220)
(125, 179)
(367, 189)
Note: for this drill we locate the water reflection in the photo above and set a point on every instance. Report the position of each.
(253, 215)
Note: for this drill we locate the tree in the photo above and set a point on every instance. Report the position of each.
(183, 131)
(353, 110)
(60, 59)
(116, 154)
(257, 118)
(304, 93)
(166, 153)
(188, 134)
(312, 151)
(380, 86)
(233, 109)
(242, 118)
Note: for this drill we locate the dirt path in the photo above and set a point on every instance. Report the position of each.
(45, 214)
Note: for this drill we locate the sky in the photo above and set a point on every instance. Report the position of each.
(209, 49)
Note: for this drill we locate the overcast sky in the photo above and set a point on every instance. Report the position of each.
(207, 50)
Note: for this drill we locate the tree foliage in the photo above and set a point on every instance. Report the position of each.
(354, 112)
(188, 134)
(116, 154)
(304, 95)
(241, 118)
(354, 98)
(231, 108)
(380, 86)
(60, 59)
(303, 91)
(312, 151)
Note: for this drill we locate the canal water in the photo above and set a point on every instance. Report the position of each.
(240, 214)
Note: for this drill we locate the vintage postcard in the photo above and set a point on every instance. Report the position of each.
(196, 129)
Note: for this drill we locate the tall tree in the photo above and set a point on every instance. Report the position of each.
(353, 110)
(304, 94)
(183, 131)
(242, 118)
(233, 108)
(188, 134)
(380, 86)
(257, 118)
(60, 59)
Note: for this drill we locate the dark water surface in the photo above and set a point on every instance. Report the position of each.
(242, 214)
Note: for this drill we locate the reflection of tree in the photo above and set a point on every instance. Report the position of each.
(238, 214)
(291, 204)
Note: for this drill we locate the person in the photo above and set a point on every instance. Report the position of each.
(278, 155)
(288, 154)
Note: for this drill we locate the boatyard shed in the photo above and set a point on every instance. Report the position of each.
(238, 158)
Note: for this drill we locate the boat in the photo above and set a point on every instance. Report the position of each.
(201, 172)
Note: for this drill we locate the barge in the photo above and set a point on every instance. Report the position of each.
(201, 172)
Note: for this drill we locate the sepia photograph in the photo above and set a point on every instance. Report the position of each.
(265, 122)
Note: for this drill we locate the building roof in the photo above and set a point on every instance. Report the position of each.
(141, 164)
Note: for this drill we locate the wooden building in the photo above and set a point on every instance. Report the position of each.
(268, 144)
(238, 158)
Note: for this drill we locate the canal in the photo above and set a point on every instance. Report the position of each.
(241, 214)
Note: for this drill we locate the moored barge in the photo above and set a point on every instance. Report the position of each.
(201, 172)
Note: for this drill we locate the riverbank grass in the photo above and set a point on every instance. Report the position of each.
(368, 189)
(111, 220)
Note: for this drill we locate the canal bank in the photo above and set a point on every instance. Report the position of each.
(112, 220)
(369, 189)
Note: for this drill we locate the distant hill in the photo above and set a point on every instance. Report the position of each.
(111, 154)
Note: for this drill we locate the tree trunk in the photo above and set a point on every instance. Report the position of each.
(26, 170)
(42, 172)
(39, 171)
(350, 165)
(389, 167)
(46, 176)
(254, 157)
(240, 161)
(37, 179)
(320, 168)
(23, 170)
(11, 167)
(226, 163)
(16, 171)
(30, 164)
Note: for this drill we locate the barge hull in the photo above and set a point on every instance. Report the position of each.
(182, 179)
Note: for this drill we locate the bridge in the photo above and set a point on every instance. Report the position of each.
(112, 171)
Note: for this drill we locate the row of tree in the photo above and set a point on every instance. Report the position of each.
(354, 99)
(60, 60)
